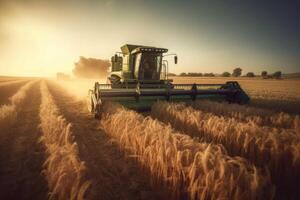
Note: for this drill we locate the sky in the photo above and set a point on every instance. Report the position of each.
(41, 38)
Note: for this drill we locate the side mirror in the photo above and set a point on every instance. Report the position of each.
(175, 59)
(116, 58)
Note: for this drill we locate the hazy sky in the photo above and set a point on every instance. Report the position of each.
(41, 38)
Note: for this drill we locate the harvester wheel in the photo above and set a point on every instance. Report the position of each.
(97, 116)
(97, 112)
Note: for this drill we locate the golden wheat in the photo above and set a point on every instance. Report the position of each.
(276, 149)
(261, 117)
(9, 112)
(190, 169)
(65, 172)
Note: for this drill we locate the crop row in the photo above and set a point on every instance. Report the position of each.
(261, 117)
(278, 150)
(9, 112)
(189, 169)
(64, 170)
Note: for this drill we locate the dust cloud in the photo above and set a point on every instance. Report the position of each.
(79, 88)
(91, 68)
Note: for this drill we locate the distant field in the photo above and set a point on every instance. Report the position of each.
(52, 147)
(11, 78)
(274, 94)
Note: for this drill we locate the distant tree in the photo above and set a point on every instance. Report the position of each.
(172, 74)
(237, 72)
(194, 74)
(264, 74)
(209, 74)
(277, 75)
(250, 74)
(226, 74)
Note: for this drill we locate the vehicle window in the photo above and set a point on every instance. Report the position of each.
(150, 67)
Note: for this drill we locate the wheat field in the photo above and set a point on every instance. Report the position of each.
(276, 149)
(53, 148)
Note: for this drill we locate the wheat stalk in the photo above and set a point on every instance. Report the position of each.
(276, 149)
(8, 113)
(64, 170)
(262, 117)
(189, 169)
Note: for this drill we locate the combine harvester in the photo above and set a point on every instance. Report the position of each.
(139, 77)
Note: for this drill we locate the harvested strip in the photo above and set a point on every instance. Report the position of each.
(190, 169)
(278, 150)
(64, 171)
(261, 117)
(21, 155)
(9, 112)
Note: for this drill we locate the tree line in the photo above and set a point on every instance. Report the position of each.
(237, 72)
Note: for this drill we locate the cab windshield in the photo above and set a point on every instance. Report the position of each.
(150, 66)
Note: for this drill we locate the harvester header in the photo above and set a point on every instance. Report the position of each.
(139, 77)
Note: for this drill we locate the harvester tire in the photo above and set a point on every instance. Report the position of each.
(97, 112)
(97, 116)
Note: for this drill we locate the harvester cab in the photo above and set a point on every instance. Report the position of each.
(139, 77)
(139, 64)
